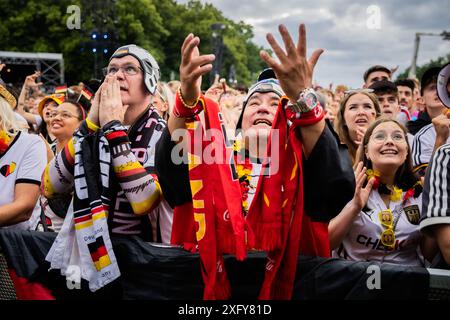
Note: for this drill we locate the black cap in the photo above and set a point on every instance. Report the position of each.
(375, 68)
(267, 74)
(428, 77)
(383, 86)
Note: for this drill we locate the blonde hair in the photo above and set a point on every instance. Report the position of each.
(8, 120)
(167, 96)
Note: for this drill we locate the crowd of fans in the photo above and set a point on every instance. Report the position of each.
(388, 133)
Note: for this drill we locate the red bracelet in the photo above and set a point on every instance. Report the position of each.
(305, 119)
(180, 110)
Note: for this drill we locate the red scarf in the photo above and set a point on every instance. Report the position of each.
(275, 219)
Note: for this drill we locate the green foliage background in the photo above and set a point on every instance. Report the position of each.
(439, 62)
(159, 26)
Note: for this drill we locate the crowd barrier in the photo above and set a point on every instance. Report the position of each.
(157, 272)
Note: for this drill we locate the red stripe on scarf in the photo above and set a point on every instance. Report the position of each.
(127, 173)
(115, 134)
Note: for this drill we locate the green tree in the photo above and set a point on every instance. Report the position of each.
(440, 61)
(159, 26)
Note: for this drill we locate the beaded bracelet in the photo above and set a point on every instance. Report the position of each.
(183, 110)
(184, 102)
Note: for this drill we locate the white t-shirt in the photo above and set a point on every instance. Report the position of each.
(362, 243)
(24, 161)
(423, 145)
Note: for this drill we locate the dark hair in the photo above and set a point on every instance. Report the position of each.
(43, 130)
(429, 76)
(384, 87)
(81, 112)
(404, 177)
(77, 99)
(406, 83)
(374, 69)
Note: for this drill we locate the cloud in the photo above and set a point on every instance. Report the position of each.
(341, 29)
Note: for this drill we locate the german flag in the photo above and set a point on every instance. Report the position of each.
(61, 89)
(86, 93)
(7, 169)
(99, 254)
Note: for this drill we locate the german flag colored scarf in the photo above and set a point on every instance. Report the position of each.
(84, 239)
(274, 222)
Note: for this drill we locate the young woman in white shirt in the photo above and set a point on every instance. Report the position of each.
(381, 222)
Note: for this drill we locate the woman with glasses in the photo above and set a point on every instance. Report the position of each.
(358, 109)
(381, 222)
(64, 120)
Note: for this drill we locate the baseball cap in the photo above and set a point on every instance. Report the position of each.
(57, 97)
(428, 76)
(8, 96)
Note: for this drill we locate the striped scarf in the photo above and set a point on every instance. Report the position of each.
(84, 239)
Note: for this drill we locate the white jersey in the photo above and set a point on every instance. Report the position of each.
(423, 145)
(362, 243)
(436, 191)
(23, 162)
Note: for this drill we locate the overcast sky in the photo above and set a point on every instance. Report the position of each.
(340, 27)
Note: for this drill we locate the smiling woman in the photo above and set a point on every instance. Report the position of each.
(64, 121)
(381, 222)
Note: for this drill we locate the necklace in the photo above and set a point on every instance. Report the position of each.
(387, 236)
(393, 191)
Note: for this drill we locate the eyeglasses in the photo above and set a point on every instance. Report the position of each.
(62, 114)
(381, 136)
(128, 70)
(387, 236)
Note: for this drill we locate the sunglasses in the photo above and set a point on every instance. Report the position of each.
(364, 90)
(387, 236)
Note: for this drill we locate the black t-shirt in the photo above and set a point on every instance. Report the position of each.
(328, 176)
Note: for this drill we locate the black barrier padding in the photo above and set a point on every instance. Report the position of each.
(152, 272)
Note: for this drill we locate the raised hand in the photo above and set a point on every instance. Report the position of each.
(111, 107)
(193, 66)
(30, 81)
(94, 110)
(360, 132)
(441, 124)
(361, 194)
(294, 71)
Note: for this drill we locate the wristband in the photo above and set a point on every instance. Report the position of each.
(305, 118)
(182, 110)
